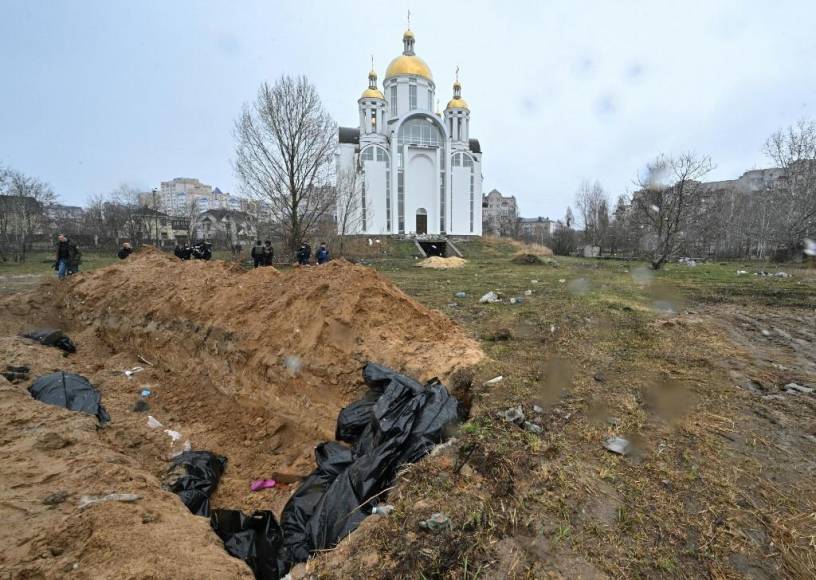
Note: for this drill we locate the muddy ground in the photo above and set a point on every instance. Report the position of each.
(690, 365)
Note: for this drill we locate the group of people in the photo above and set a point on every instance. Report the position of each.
(262, 254)
(198, 251)
(304, 254)
(69, 256)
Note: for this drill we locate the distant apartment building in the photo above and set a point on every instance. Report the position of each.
(499, 214)
(188, 197)
(751, 181)
(538, 229)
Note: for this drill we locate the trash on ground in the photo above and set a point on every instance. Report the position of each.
(516, 300)
(561, 280)
(152, 422)
(461, 295)
(533, 281)
(528, 292)
(140, 406)
(533, 428)
(382, 510)
(618, 445)
(70, 391)
(793, 387)
(741, 272)
(600, 377)
(513, 415)
(16, 374)
(256, 539)
(489, 298)
(130, 372)
(193, 476)
(494, 381)
(260, 484)
(436, 522)
(88, 500)
(537, 409)
(52, 337)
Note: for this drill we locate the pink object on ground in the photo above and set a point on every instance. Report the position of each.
(260, 484)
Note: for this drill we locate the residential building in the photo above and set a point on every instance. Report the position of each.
(420, 171)
(224, 227)
(499, 214)
(538, 229)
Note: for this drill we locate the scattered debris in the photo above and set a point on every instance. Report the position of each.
(145, 361)
(130, 372)
(533, 428)
(690, 262)
(461, 295)
(382, 510)
(494, 381)
(436, 522)
(537, 409)
(87, 501)
(533, 281)
(618, 445)
(561, 280)
(55, 498)
(152, 422)
(516, 300)
(70, 391)
(741, 272)
(528, 292)
(793, 387)
(260, 484)
(145, 393)
(513, 415)
(490, 298)
(600, 377)
(765, 274)
(140, 406)
(16, 374)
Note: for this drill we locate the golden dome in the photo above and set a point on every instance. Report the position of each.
(408, 65)
(372, 94)
(457, 104)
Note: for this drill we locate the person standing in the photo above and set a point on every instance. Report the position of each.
(68, 258)
(269, 253)
(125, 251)
(322, 254)
(257, 253)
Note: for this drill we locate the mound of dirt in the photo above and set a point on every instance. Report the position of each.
(534, 249)
(251, 365)
(440, 263)
(532, 259)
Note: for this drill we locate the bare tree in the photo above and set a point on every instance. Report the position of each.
(285, 155)
(348, 205)
(593, 204)
(669, 193)
(793, 197)
(24, 204)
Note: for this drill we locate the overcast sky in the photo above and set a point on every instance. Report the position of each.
(98, 93)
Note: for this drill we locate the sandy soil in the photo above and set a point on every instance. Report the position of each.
(254, 366)
(440, 263)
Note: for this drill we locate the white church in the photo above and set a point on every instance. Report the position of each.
(417, 171)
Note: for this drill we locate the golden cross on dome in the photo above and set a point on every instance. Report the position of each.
(372, 62)
(409, 19)
(457, 73)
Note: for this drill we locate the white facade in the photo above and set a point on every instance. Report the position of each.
(417, 172)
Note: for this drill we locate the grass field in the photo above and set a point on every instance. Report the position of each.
(689, 364)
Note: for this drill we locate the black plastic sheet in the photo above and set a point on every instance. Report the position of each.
(255, 539)
(398, 421)
(52, 337)
(71, 392)
(199, 473)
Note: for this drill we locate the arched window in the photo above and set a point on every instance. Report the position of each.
(420, 131)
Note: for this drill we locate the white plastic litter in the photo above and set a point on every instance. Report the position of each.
(490, 298)
(130, 372)
(88, 500)
(494, 381)
(174, 435)
(152, 422)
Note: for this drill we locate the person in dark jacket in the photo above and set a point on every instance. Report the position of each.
(269, 253)
(257, 254)
(68, 257)
(125, 251)
(303, 255)
(322, 254)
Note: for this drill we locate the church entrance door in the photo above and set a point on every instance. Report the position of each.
(421, 221)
